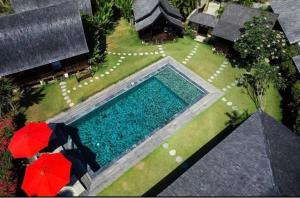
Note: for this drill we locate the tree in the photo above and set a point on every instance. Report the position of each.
(185, 6)
(259, 41)
(125, 6)
(258, 81)
(9, 97)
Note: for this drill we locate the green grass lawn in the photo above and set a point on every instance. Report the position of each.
(191, 137)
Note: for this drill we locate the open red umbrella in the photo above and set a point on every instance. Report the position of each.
(29, 140)
(47, 175)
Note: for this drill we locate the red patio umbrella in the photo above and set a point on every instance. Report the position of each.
(47, 175)
(29, 140)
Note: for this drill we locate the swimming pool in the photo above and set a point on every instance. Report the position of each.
(117, 126)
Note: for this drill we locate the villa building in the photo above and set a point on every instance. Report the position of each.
(202, 23)
(26, 5)
(289, 20)
(259, 158)
(233, 19)
(157, 20)
(43, 44)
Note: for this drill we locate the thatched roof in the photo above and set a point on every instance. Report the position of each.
(38, 37)
(233, 19)
(203, 19)
(297, 62)
(289, 18)
(154, 16)
(259, 158)
(25, 5)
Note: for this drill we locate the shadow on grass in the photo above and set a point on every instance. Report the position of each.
(169, 179)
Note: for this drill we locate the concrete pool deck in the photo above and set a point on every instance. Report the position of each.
(106, 177)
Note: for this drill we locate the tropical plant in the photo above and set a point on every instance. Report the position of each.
(185, 6)
(259, 41)
(125, 6)
(9, 97)
(257, 82)
(5, 7)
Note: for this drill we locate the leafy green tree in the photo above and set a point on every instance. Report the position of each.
(9, 97)
(259, 41)
(258, 81)
(296, 93)
(125, 6)
(185, 6)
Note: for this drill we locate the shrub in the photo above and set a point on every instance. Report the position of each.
(296, 93)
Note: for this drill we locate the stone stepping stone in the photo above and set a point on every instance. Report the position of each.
(156, 52)
(74, 89)
(218, 72)
(120, 61)
(97, 78)
(229, 103)
(166, 145)
(209, 80)
(67, 98)
(111, 70)
(102, 75)
(63, 86)
(164, 55)
(85, 83)
(141, 54)
(71, 105)
(114, 53)
(212, 77)
(189, 57)
(114, 67)
(151, 53)
(215, 75)
(118, 64)
(69, 91)
(224, 99)
(64, 94)
(222, 68)
(64, 90)
(129, 54)
(228, 86)
(235, 108)
(124, 54)
(135, 54)
(109, 52)
(79, 86)
(172, 152)
(146, 53)
(107, 73)
(233, 84)
(122, 57)
(161, 52)
(186, 59)
(192, 54)
(91, 80)
(226, 63)
(224, 89)
(69, 101)
(62, 83)
(119, 54)
(236, 82)
(178, 159)
(194, 51)
(184, 62)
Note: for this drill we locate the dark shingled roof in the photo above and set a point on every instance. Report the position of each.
(146, 12)
(259, 158)
(38, 37)
(233, 19)
(154, 16)
(203, 19)
(297, 62)
(25, 5)
(289, 18)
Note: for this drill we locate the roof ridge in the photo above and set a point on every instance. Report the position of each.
(262, 116)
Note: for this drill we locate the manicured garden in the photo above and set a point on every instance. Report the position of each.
(190, 137)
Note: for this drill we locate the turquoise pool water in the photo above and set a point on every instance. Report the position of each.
(122, 123)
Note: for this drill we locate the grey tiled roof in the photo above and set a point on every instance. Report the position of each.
(233, 19)
(38, 37)
(297, 62)
(289, 18)
(144, 8)
(147, 12)
(203, 19)
(25, 5)
(259, 158)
